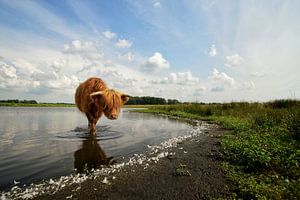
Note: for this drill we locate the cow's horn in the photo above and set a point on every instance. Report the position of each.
(96, 93)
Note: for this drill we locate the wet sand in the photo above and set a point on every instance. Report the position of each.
(193, 172)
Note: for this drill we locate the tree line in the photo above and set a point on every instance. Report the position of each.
(19, 101)
(147, 100)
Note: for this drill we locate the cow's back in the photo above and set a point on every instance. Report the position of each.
(82, 95)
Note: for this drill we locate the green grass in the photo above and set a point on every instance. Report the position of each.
(262, 152)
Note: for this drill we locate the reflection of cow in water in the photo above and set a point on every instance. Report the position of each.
(90, 156)
(94, 98)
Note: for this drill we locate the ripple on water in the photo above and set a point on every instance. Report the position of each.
(82, 133)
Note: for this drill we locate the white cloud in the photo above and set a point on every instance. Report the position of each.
(122, 43)
(24, 67)
(155, 62)
(127, 56)
(9, 78)
(7, 71)
(85, 49)
(234, 60)
(213, 51)
(180, 78)
(217, 89)
(27, 77)
(248, 85)
(172, 78)
(62, 82)
(199, 91)
(58, 64)
(157, 4)
(55, 79)
(109, 35)
(258, 74)
(77, 47)
(221, 80)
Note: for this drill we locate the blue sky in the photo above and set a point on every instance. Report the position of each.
(210, 50)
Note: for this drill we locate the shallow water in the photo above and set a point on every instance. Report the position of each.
(42, 143)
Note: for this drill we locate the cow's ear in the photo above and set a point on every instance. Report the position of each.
(124, 98)
(95, 94)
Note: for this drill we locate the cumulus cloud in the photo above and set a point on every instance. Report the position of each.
(180, 78)
(57, 80)
(234, 60)
(78, 47)
(109, 35)
(85, 49)
(58, 64)
(14, 76)
(24, 67)
(183, 78)
(7, 71)
(62, 82)
(155, 62)
(221, 80)
(127, 56)
(122, 43)
(213, 51)
(10, 79)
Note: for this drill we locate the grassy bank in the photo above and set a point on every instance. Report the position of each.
(37, 104)
(262, 152)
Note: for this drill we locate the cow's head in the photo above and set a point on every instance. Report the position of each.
(110, 101)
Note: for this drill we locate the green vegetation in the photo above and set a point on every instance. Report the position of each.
(150, 101)
(181, 170)
(262, 152)
(32, 103)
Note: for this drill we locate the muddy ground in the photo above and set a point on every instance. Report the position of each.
(192, 173)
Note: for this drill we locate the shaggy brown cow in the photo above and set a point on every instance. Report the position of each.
(94, 98)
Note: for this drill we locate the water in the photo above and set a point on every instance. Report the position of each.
(42, 143)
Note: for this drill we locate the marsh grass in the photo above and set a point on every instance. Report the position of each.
(262, 152)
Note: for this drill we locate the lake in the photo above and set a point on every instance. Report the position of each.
(39, 143)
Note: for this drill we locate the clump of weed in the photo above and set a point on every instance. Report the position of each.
(181, 170)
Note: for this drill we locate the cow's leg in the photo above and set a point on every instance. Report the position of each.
(94, 116)
(91, 123)
(89, 120)
(93, 128)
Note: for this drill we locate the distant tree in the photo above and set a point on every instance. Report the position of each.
(28, 101)
(19, 101)
(147, 100)
(173, 101)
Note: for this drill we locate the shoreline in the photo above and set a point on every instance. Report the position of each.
(179, 163)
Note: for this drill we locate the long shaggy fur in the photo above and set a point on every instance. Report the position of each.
(109, 102)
